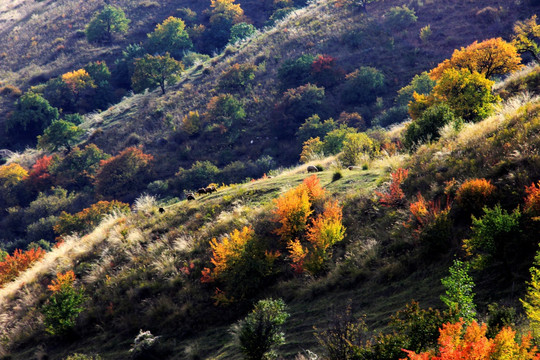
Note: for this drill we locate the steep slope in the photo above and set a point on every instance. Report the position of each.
(138, 267)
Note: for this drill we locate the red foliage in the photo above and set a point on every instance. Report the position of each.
(14, 264)
(39, 177)
(532, 200)
(325, 72)
(395, 195)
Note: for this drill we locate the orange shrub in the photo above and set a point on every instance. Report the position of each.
(239, 263)
(292, 211)
(471, 343)
(14, 264)
(473, 194)
(532, 200)
(395, 195)
(62, 281)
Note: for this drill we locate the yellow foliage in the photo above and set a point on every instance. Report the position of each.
(311, 148)
(229, 249)
(226, 9)
(78, 80)
(297, 254)
(11, 174)
(490, 57)
(62, 281)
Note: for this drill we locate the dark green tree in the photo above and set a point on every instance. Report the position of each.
(260, 331)
(31, 116)
(109, 20)
(241, 31)
(153, 71)
(362, 86)
(60, 134)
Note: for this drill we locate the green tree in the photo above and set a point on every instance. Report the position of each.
(427, 127)
(170, 37)
(153, 71)
(527, 36)
(260, 331)
(64, 305)
(241, 31)
(333, 141)
(355, 146)
(295, 72)
(459, 295)
(125, 64)
(60, 134)
(109, 20)
(362, 86)
(31, 116)
(226, 110)
(468, 94)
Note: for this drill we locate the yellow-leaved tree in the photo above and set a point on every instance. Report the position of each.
(531, 303)
(490, 57)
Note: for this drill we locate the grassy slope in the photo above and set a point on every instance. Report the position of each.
(375, 266)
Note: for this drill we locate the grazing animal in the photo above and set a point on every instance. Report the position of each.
(312, 168)
(190, 196)
(201, 191)
(354, 168)
(161, 210)
(210, 189)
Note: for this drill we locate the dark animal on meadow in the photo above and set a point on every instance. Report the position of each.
(190, 196)
(312, 168)
(201, 191)
(354, 168)
(211, 189)
(161, 210)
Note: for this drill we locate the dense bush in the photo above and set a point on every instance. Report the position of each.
(238, 77)
(123, 175)
(240, 264)
(225, 110)
(153, 71)
(125, 64)
(60, 134)
(313, 127)
(200, 174)
(362, 86)
(395, 195)
(355, 148)
(296, 105)
(400, 17)
(427, 127)
(494, 236)
(334, 140)
(31, 116)
(325, 72)
(241, 31)
(261, 330)
(12, 265)
(473, 194)
(295, 72)
(420, 84)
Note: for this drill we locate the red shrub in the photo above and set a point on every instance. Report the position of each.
(395, 195)
(532, 200)
(14, 264)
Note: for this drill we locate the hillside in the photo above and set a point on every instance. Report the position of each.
(160, 187)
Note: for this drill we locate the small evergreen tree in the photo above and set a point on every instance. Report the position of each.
(60, 134)
(110, 20)
(459, 295)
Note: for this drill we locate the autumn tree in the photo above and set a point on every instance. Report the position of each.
(527, 37)
(153, 71)
(489, 57)
(39, 178)
(170, 37)
(105, 23)
(395, 195)
(60, 134)
(225, 110)
(355, 147)
(468, 94)
(223, 15)
(101, 75)
(124, 174)
(13, 265)
(531, 302)
(311, 148)
(11, 176)
(239, 263)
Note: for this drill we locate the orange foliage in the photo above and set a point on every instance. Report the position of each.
(395, 196)
(14, 264)
(229, 250)
(426, 212)
(472, 344)
(532, 200)
(62, 281)
(292, 211)
(313, 187)
(474, 193)
(489, 57)
(297, 254)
